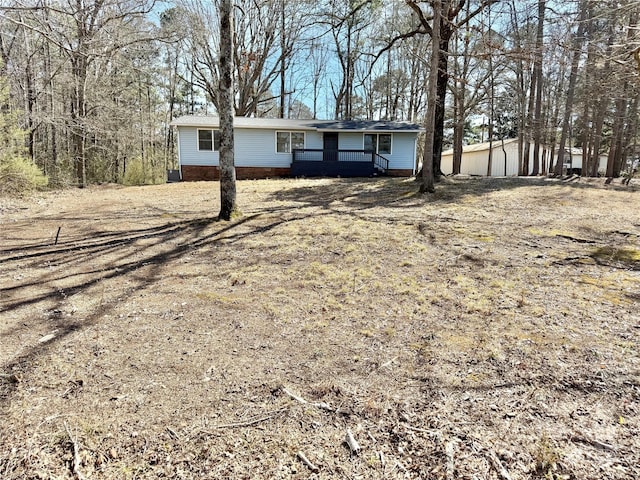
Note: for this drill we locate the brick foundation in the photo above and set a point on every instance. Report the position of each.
(399, 172)
(193, 173)
(250, 173)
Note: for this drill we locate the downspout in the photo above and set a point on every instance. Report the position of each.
(415, 156)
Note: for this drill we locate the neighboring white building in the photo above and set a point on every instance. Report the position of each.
(504, 159)
(267, 147)
(575, 164)
(475, 159)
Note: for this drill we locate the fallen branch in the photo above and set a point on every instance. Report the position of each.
(430, 432)
(351, 441)
(76, 454)
(449, 450)
(251, 422)
(303, 458)
(320, 405)
(574, 239)
(593, 442)
(10, 377)
(497, 465)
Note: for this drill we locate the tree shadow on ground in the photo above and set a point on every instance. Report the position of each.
(363, 193)
(62, 273)
(63, 268)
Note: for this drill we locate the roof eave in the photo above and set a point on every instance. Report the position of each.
(369, 130)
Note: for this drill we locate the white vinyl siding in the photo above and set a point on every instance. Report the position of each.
(256, 147)
(403, 151)
(350, 141)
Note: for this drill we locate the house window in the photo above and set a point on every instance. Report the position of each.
(286, 142)
(209, 140)
(378, 142)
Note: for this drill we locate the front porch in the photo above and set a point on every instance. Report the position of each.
(312, 162)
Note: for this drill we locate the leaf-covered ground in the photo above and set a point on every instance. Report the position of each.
(489, 331)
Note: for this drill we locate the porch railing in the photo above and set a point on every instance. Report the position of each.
(380, 162)
(319, 155)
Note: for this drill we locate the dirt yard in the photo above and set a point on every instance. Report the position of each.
(490, 331)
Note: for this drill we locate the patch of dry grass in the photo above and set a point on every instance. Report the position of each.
(493, 325)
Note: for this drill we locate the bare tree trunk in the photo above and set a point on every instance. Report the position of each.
(446, 28)
(282, 60)
(415, 82)
(78, 117)
(554, 95)
(522, 101)
(228, 206)
(492, 109)
(615, 149)
(537, 73)
(52, 128)
(31, 103)
(603, 102)
(631, 131)
(427, 184)
(526, 153)
(573, 75)
(441, 92)
(596, 136)
(173, 64)
(589, 82)
(459, 99)
(458, 135)
(349, 76)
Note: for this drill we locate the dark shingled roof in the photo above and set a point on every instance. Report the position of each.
(362, 125)
(319, 125)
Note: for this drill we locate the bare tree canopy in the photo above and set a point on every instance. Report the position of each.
(94, 85)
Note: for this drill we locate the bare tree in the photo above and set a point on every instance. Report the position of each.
(473, 78)
(228, 206)
(427, 185)
(449, 22)
(348, 21)
(317, 58)
(625, 111)
(85, 34)
(265, 39)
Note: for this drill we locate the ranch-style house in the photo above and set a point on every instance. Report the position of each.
(267, 147)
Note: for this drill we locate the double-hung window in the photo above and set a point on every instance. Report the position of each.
(287, 142)
(378, 142)
(208, 140)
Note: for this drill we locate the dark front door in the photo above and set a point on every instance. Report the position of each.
(330, 147)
